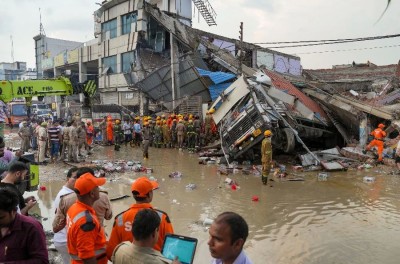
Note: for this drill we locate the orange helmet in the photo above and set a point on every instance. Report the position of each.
(381, 125)
(267, 133)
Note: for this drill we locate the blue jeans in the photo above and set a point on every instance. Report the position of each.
(55, 148)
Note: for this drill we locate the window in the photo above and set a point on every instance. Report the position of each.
(111, 28)
(110, 63)
(126, 22)
(127, 59)
(19, 110)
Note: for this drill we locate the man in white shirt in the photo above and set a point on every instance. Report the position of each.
(60, 238)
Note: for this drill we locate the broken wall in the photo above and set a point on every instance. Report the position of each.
(278, 62)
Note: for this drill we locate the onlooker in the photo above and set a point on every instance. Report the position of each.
(55, 139)
(16, 174)
(4, 114)
(73, 143)
(142, 191)
(103, 129)
(22, 238)
(65, 145)
(228, 233)
(60, 237)
(6, 156)
(102, 206)
(145, 232)
(86, 239)
(126, 127)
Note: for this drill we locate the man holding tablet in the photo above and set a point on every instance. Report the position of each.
(142, 191)
(228, 233)
(141, 250)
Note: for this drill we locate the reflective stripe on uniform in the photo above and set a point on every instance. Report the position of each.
(78, 216)
(119, 220)
(97, 253)
(160, 214)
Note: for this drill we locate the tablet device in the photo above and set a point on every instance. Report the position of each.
(181, 246)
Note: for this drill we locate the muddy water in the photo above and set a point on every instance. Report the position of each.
(341, 220)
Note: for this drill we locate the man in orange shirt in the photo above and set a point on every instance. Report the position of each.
(378, 135)
(142, 191)
(86, 239)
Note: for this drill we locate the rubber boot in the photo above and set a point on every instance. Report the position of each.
(264, 179)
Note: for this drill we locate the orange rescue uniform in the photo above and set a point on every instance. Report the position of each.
(110, 131)
(122, 228)
(378, 135)
(85, 238)
(89, 134)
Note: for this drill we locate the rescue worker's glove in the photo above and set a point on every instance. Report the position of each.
(10, 123)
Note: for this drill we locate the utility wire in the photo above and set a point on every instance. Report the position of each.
(325, 42)
(333, 51)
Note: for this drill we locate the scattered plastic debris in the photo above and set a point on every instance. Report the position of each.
(175, 175)
(364, 166)
(298, 167)
(323, 176)
(368, 179)
(255, 198)
(42, 188)
(207, 221)
(234, 187)
(191, 186)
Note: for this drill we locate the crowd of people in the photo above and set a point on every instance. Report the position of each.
(168, 131)
(59, 140)
(137, 235)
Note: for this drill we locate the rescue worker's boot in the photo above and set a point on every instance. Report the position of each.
(264, 179)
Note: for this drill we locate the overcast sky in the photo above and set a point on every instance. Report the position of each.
(264, 21)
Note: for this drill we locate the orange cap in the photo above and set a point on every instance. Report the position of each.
(87, 182)
(143, 186)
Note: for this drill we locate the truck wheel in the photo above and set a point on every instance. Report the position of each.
(289, 140)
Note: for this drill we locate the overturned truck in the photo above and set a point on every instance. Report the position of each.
(267, 101)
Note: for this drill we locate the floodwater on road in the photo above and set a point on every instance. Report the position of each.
(340, 220)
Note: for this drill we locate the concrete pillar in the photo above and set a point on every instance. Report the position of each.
(363, 131)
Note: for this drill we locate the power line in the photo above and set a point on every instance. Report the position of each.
(333, 51)
(324, 42)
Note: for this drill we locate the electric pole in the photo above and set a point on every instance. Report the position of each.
(241, 47)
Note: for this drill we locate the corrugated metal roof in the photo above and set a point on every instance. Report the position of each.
(282, 84)
(157, 85)
(216, 77)
(217, 89)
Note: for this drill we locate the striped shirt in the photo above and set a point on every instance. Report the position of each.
(54, 133)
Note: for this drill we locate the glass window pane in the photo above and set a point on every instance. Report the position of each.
(110, 62)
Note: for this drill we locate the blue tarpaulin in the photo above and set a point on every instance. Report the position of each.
(219, 79)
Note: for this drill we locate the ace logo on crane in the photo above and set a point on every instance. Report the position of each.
(25, 90)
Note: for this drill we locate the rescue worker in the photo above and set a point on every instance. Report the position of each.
(110, 131)
(197, 129)
(42, 139)
(207, 127)
(89, 134)
(266, 156)
(180, 132)
(73, 143)
(81, 137)
(173, 134)
(191, 137)
(146, 140)
(103, 129)
(377, 142)
(157, 134)
(166, 135)
(86, 239)
(25, 134)
(118, 133)
(142, 191)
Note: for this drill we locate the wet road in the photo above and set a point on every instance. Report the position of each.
(341, 220)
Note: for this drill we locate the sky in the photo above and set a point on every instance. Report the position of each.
(263, 20)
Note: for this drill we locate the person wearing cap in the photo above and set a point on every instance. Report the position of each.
(25, 134)
(85, 238)
(166, 133)
(142, 191)
(42, 139)
(140, 250)
(180, 133)
(146, 140)
(89, 134)
(378, 141)
(266, 156)
(102, 206)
